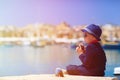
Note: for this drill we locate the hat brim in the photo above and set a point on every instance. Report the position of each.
(85, 30)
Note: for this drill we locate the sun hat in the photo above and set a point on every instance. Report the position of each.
(93, 29)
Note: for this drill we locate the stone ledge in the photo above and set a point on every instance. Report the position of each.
(53, 77)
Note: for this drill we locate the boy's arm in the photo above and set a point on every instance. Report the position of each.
(87, 57)
(81, 57)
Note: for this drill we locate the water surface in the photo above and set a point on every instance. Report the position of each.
(23, 60)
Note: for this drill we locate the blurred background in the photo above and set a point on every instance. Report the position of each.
(36, 36)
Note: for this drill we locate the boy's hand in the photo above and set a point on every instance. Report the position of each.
(80, 49)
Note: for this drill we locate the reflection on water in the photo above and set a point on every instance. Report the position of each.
(22, 60)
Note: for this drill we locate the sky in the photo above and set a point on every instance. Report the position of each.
(74, 12)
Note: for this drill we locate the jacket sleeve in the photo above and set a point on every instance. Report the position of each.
(87, 57)
(81, 57)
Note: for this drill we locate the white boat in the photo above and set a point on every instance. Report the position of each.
(41, 43)
(117, 70)
(26, 43)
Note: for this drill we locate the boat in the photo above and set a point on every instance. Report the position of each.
(116, 71)
(111, 46)
(73, 45)
(41, 43)
(26, 43)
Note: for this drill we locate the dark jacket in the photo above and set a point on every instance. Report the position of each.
(93, 62)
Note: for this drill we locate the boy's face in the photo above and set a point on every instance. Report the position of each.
(88, 38)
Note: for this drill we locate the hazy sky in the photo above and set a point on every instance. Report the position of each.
(74, 12)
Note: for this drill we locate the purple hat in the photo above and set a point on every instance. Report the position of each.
(93, 29)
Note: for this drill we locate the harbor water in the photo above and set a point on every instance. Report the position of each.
(24, 60)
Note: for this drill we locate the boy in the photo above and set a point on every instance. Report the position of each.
(92, 56)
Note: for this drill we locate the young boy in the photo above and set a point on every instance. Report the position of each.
(92, 56)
